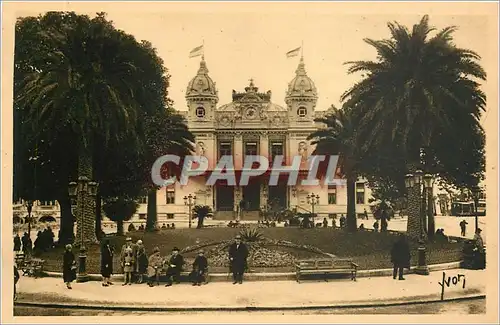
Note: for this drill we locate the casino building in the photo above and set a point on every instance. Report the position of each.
(253, 125)
(249, 125)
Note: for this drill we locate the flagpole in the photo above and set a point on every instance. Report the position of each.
(203, 51)
(302, 50)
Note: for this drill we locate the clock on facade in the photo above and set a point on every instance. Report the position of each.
(250, 113)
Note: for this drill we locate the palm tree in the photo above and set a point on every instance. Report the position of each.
(339, 138)
(166, 133)
(419, 88)
(84, 79)
(200, 212)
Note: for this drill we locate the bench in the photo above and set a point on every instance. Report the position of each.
(33, 267)
(324, 267)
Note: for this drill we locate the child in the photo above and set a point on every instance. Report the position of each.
(128, 266)
(200, 267)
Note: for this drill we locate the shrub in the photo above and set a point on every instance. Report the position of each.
(251, 235)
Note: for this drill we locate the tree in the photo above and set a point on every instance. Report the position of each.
(82, 76)
(165, 133)
(420, 89)
(120, 209)
(201, 212)
(338, 138)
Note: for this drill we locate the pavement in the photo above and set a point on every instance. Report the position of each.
(369, 291)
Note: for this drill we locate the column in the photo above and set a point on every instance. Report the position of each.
(238, 151)
(264, 145)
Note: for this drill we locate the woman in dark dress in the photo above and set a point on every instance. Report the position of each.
(106, 263)
(142, 261)
(69, 266)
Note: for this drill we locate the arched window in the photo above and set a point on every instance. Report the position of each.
(200, 111)
(302, 111)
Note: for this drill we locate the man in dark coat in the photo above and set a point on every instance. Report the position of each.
(27, 244)
(200, 268)
(17, 243)
(400, 256)
(174, 267)
(463, 227)
(238, 253)
(106, 262)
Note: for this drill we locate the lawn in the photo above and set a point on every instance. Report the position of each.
(368, 249)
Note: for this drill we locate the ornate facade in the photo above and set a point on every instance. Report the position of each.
(253, 125)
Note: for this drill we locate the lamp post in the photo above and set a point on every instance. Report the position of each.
(313, 200)
(190, 201)
(476, 191)
(80, 190)
(412, 182)
(29, 207)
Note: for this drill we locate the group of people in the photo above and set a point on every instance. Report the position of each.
(135, 264)
(44, 241)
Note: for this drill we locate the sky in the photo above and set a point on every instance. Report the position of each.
(250, 41)
(253, 45)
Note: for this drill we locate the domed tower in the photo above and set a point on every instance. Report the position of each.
(301, 96)
(201, 96)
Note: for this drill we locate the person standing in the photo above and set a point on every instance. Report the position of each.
(17, 243)
(16, 279)
(479, 240)
(342, 221)
(69, 266)
(238, 253)
(200, 268)
(463, 227)
(106, 262)
(400, 257)
(128, 244)
(375, 226)
(174, 267)
(141, 261)
(128, 266)
(27, 244)
(365, 214)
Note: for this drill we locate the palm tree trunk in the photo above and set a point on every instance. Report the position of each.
(66, 234)
(85, 214)
(351, 204)
(98, 215)
(151, 211)
(414, 224)
(119, 228)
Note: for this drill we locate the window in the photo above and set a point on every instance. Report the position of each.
(276, 149)
(302, 111)
(143, 200)
(332, 215)
(170, 196)
(360, 193)
(332, 198)
(170, 215)
(200, 112)
(225, 149)
(142, 216)
(250, 148)
(332, 194)
(47, 203)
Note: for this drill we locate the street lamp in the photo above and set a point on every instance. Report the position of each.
(29, 207)
(476, 191)
(313, 200)
(79, 190)
(190, 201)
(410, 181)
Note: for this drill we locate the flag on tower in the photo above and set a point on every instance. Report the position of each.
(197, 51)
(293, 52)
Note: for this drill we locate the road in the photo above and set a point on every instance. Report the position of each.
(465, 307)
